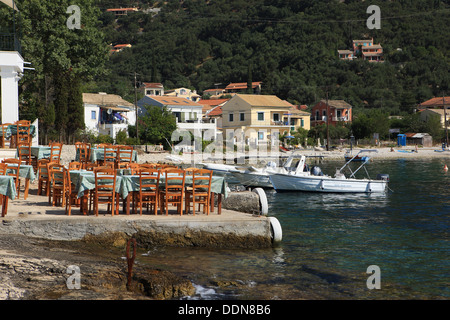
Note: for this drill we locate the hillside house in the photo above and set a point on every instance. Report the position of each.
(260, 118)
(152, 88)
(183, 93)
(241, 87)
(366, 49)
(122, 11)
(339, 111)
(107, 113)
(187, 112)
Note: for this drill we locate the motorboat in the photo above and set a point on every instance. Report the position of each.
(359, 156)
(315, 181)
(219, 168)
(259, 177)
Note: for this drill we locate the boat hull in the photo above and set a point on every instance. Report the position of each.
(286, 182)
(253, 180)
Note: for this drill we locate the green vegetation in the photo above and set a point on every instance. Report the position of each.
(289, 45)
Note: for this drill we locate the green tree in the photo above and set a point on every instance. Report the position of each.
(156, 125)
(59, 55)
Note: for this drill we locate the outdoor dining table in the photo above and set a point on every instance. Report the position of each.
(84, 181)
(99, 154)
(26, 171)
(7, 191)
(39, 152)
(130, 183)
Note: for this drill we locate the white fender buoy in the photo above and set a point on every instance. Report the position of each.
(262, 200)
(275, 228)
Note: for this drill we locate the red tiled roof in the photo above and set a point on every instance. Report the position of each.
(121, 9)
(241, 85)
(152, 85)
(436, 102)
(212, 102)
(217, 111)
(122, 45)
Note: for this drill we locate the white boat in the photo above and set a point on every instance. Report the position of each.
(315, 181)
(259, 177)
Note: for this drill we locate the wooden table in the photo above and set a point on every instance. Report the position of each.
(130, 184)
(7, 191)
(84, 181)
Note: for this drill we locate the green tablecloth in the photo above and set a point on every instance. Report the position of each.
(98, 154)
(85, 180)
(26, 171)
(12, 130)
(40, 152)
(8, 187)
(130, 183)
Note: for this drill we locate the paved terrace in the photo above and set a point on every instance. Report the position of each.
(35, 217)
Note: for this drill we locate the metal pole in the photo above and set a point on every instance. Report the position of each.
(328, 123)
(136, 107)
(445, 120)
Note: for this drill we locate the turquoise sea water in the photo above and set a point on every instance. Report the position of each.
(329, 241)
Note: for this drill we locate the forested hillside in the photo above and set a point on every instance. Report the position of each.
(289, 45)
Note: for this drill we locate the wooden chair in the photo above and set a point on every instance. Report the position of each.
(148, 190)
(109, 155)
(43, 177)
(75, 165)
(173, 193)
(4, 128)
(23, 132)
(134, 168)
(58, 181)
(84, 152)
(3, 169)
(13, 170)
(148, 165)
(200, 193)
(24, 152)
(105, 190)
(71, 194)
(124, 156)
(55, 152)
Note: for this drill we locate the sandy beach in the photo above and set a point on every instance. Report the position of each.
(383, 153)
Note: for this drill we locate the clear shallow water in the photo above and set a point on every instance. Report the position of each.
(329, 240)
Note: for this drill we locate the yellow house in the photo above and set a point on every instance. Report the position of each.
(259, 118)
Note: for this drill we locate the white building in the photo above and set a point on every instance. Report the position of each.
(107, 113)
(188, 113)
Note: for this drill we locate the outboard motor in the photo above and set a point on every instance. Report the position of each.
(316, 171)
(383, 176)
(271, 164)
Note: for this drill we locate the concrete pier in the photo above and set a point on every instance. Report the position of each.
(35, 217)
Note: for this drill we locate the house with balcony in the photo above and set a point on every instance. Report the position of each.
(241, 87)
(152, 88)
(188, 113)
(184, 93)
(107, 113)
(259, 118)
(339, 111)
(365, 49)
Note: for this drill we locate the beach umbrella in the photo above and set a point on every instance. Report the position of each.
(290, 137)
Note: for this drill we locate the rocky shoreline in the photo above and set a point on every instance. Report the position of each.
(37, 269)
